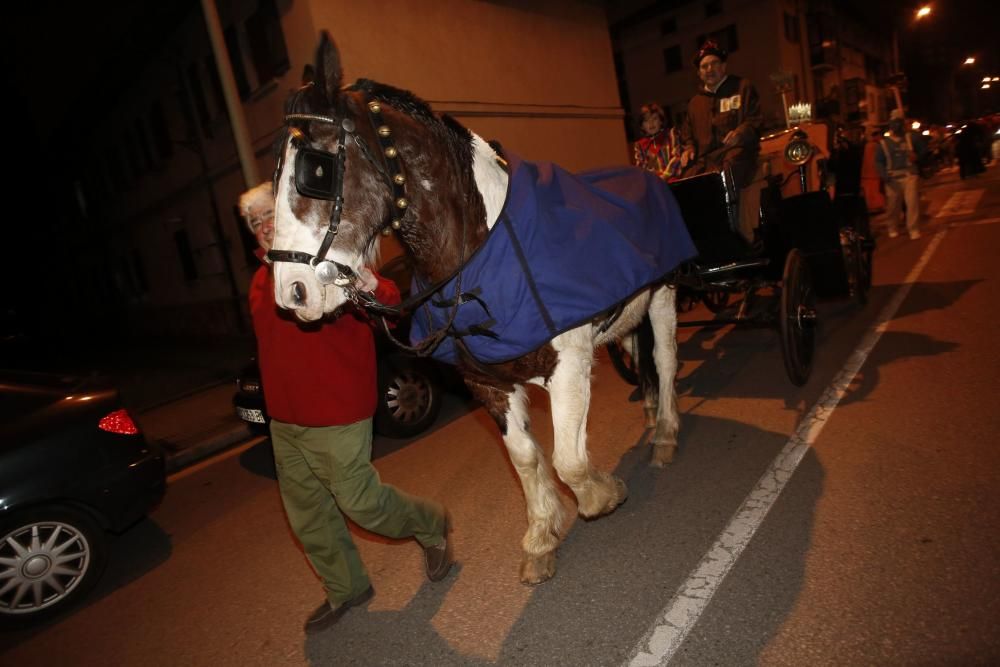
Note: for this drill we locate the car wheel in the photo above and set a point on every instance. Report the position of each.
(409, 397)
(49, 558)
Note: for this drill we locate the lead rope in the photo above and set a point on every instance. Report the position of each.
(390, 160)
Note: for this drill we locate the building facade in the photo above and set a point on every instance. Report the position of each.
(161, 174)
(793, 51)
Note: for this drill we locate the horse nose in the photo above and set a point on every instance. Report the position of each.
(299, 293)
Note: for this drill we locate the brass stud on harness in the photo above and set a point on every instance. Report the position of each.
(374, 107)
(391, 152)
(384, 131)
(396, 223)
(402, 203)
(398, 179)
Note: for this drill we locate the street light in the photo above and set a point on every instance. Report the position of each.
(923, 11)
(969, 61)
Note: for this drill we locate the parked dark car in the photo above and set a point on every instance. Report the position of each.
(73, 466)
(409, 387)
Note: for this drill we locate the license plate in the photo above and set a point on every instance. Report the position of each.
(255, 416)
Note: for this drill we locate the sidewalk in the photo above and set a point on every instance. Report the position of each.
(195, 426)
(180, 394)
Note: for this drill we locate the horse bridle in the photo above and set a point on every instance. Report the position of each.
(320, 175)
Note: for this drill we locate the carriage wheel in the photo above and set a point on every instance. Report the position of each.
(867, 261)
(858, 264)
(863, 232)
(797, 319)
(715, 300)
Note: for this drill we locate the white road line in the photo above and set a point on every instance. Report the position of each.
(659, 644)
(963, 202)
(970, 223)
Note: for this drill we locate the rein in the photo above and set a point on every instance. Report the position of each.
(320, 175)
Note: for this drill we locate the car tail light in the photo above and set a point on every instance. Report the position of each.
(119, 422)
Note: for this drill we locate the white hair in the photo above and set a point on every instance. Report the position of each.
(256, 204)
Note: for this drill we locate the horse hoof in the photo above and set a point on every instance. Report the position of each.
(539, 569)
(663, 454)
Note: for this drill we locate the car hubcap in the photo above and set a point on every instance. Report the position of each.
(40, 564)
(408, 398)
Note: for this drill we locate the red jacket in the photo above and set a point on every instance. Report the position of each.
(318, 374)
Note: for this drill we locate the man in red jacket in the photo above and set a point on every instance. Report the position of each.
(321, 392)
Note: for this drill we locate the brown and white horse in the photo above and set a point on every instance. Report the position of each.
(356, 160)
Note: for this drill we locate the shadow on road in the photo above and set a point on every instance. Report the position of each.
(624, 567)
(723, 358)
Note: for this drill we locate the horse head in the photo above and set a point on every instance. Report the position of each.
(356, 161)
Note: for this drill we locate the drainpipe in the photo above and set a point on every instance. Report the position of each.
(241, 136)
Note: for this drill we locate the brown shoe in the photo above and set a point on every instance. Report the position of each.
(438, 558)
(327, 614)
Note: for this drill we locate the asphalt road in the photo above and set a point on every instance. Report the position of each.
(874, 542)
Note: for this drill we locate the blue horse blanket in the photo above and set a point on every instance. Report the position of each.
(566, 248)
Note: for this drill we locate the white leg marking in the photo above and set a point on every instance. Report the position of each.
(545, 511)
(569, 389)
(659, 644)
(663, 316)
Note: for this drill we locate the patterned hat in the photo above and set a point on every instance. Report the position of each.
(710, 48)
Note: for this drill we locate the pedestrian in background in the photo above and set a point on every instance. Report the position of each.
(969, 151)
(897, 166)
(321, 394)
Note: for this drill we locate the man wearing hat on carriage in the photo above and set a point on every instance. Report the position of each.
(897, 161)
(721, 132)
(722, 127)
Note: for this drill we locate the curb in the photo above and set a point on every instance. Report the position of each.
(188, 456)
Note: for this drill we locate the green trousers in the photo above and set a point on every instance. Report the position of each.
(326, 473)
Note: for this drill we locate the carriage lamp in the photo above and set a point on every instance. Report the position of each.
(798, 150)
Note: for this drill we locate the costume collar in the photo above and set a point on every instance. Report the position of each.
(714, 90)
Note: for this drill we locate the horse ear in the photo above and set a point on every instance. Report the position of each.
(329, 72)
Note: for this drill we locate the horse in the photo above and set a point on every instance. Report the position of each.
(355, 161)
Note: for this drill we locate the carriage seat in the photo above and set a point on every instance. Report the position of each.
(720, 219)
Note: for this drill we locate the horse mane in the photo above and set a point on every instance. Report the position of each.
(456, 135)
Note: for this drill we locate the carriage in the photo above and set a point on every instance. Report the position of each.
(785, 236)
